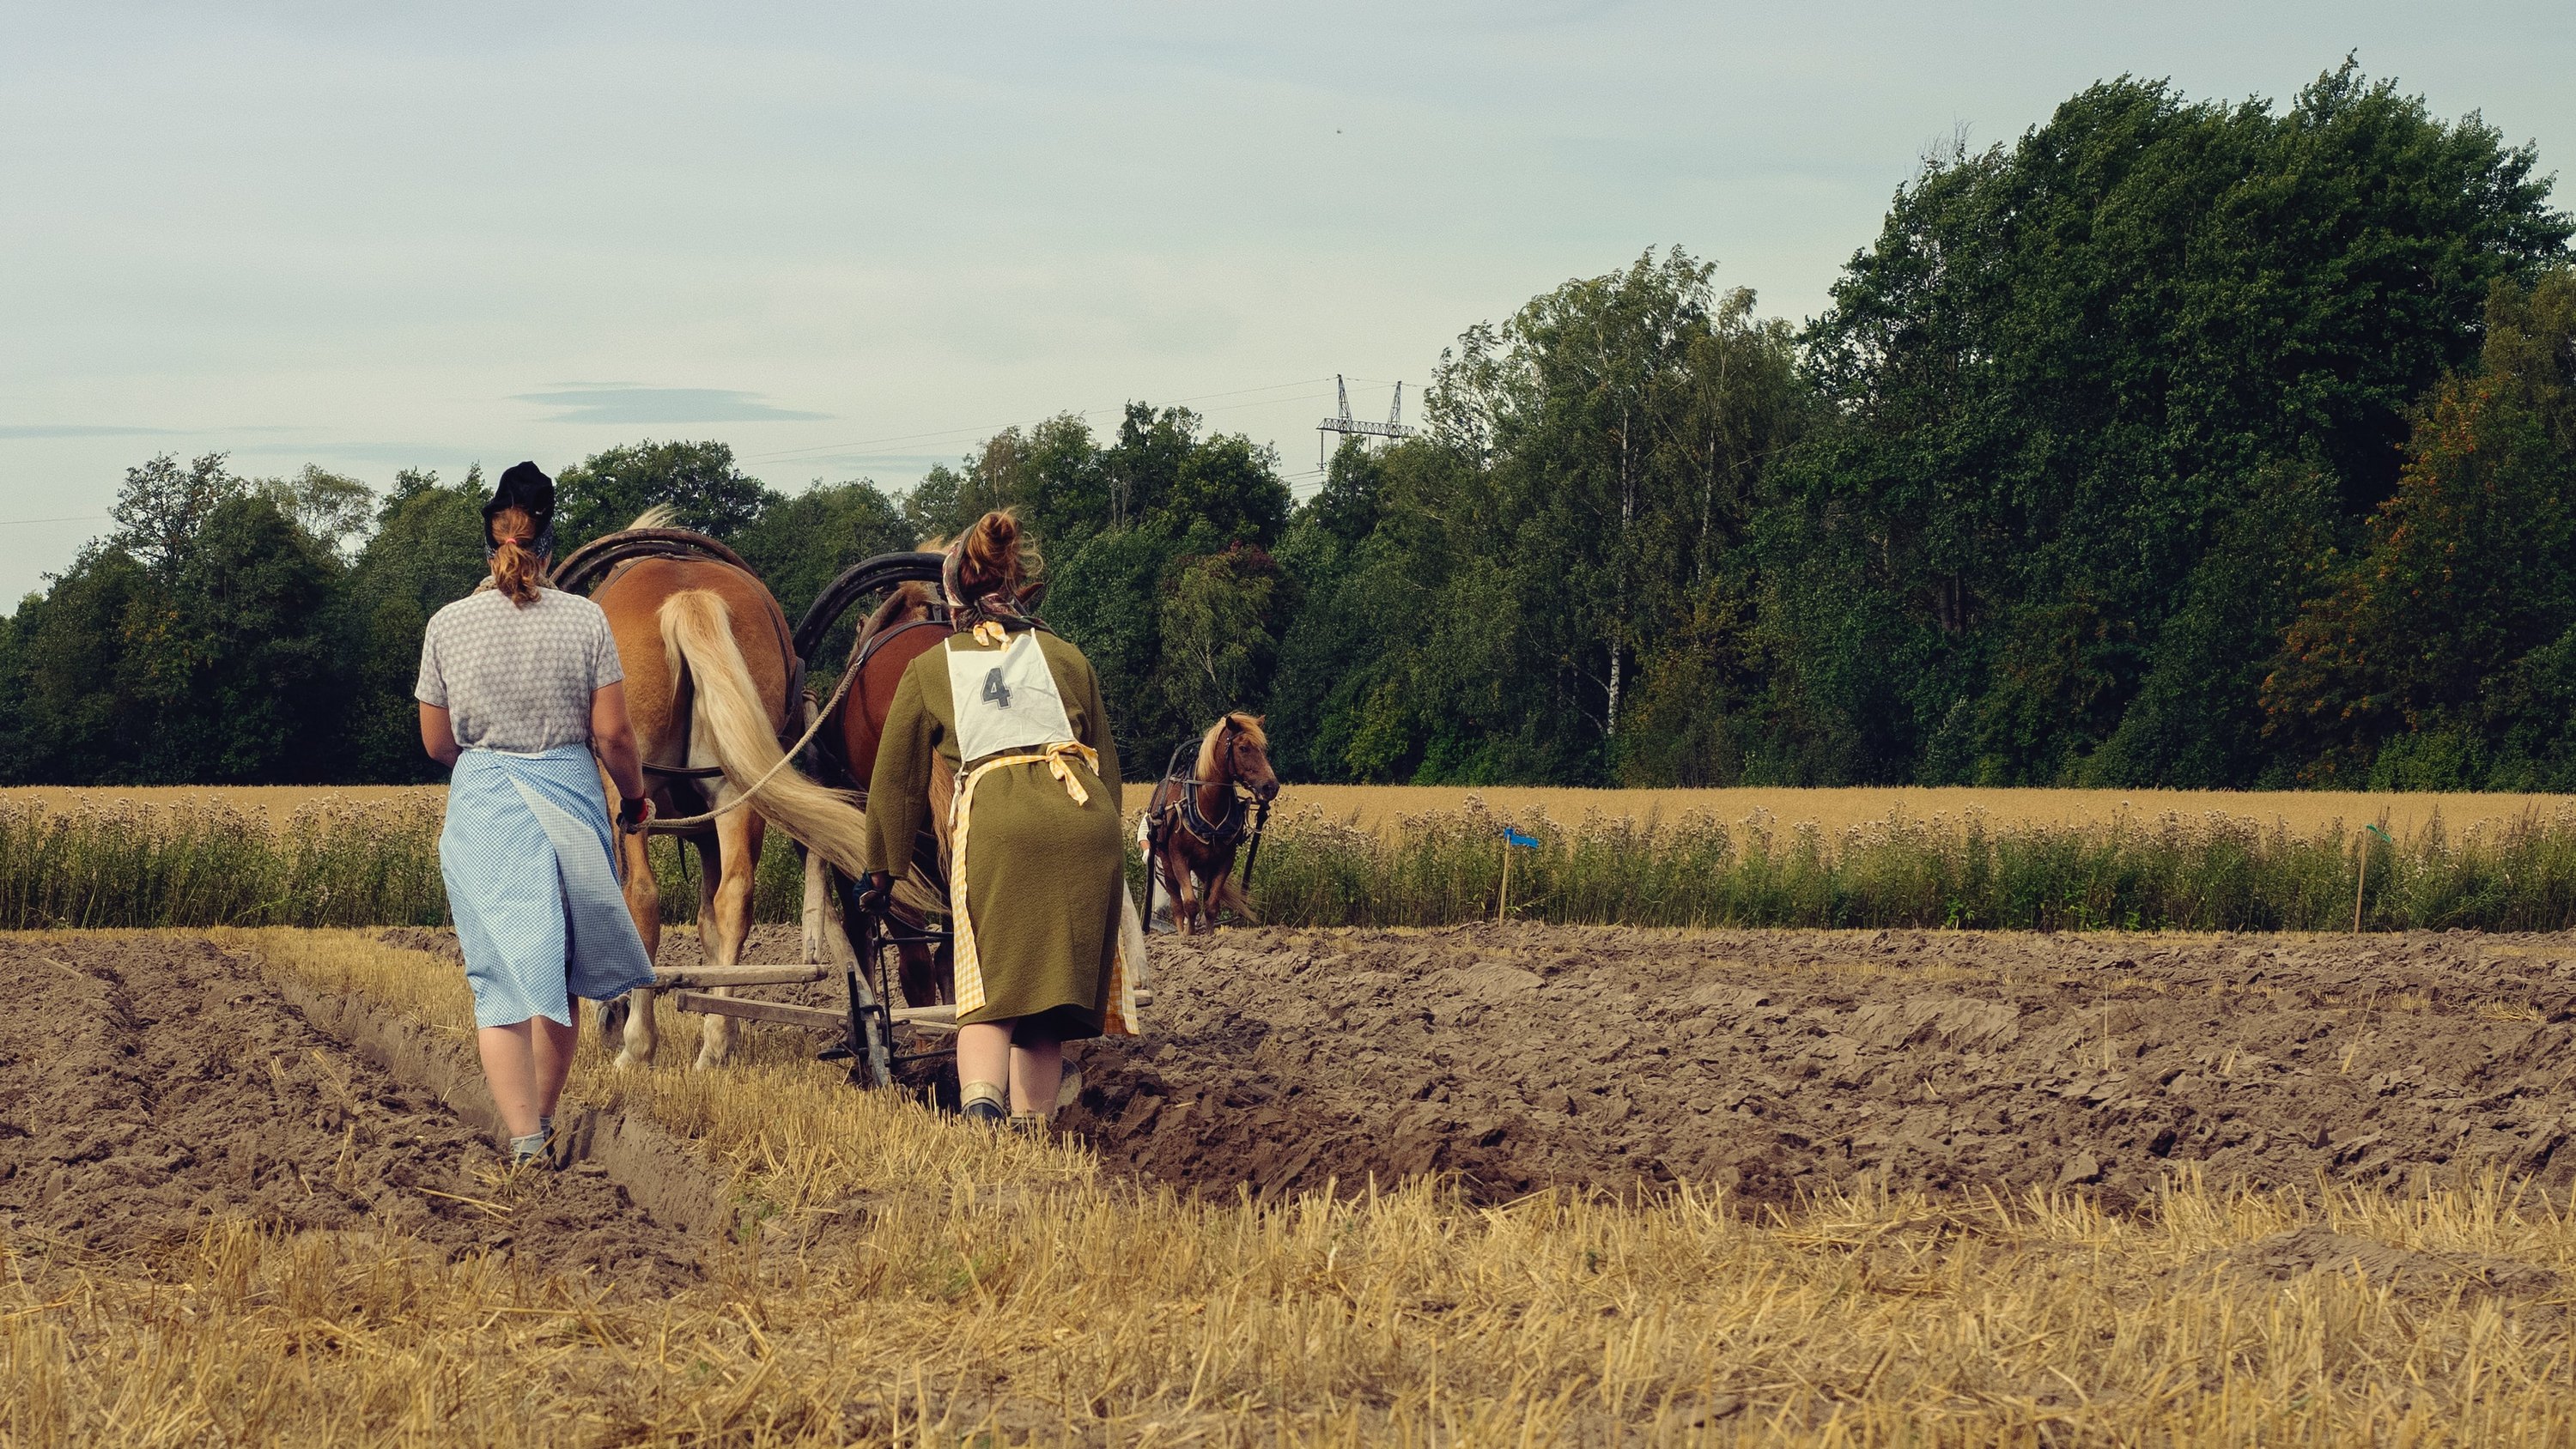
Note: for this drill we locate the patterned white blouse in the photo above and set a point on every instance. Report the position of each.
(517, 679)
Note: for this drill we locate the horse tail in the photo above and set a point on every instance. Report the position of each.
(697, 635)
(1227, 894)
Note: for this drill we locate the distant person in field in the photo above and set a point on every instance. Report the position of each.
(520, 691)
(1037, 869)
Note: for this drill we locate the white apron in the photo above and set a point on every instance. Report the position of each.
(1009, 712)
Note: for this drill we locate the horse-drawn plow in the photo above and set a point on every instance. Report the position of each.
(891, 953)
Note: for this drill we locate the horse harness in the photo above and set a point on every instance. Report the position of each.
(593, 564)
(1185, 810)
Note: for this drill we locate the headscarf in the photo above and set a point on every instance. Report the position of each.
(997, 604)
(524, 486)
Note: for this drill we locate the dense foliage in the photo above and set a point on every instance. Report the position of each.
(2173, 443)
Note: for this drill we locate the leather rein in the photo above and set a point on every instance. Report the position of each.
(594, 563)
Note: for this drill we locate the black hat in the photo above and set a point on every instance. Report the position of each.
(527, 487)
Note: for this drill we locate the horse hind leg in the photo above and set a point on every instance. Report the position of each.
(629, 1019)
(1185, 895)
(1226, 893)
(732, 861)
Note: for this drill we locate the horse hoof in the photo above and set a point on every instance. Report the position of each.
(708, 1061)
(628, 1061)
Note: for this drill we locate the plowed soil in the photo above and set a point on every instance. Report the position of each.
(150, 1085)
(1779, 1063)
(1776, 1063)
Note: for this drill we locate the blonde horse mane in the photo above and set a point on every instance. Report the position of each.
(1250, 724)
(660, 515)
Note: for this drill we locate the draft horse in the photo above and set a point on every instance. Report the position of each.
(1199, 816)
(910, 620)
(714, 685)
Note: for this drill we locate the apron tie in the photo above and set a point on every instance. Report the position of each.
(1058, 759)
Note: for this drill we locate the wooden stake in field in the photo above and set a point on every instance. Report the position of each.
(2361, 876)
(1511, 838)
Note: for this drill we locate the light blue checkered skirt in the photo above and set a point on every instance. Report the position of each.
(529, 858)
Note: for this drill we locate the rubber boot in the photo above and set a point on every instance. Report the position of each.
(984, 1103)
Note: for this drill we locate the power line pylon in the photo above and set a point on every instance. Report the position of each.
(1350, 426)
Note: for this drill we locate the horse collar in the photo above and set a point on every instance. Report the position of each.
(1214, 832)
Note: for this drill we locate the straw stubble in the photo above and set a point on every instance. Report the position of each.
(926, 1283)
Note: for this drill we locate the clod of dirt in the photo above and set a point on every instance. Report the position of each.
(1775, 1063)
(2316, 1249)
(149, 1085)
(436, 940)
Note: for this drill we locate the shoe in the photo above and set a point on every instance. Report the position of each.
(985, 1103)
(1028, 1124)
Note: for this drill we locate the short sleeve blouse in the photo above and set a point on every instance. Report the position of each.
(517, 679)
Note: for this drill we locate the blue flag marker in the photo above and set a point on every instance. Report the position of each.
(1511, 838)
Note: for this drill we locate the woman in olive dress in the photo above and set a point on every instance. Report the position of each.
(1037, 882)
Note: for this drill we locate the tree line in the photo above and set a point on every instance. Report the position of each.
(2175, 442)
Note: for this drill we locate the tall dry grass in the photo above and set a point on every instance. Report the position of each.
(956, 1288)
(335, 860)
(2217, 872)
(374, 861)
(1385, 808)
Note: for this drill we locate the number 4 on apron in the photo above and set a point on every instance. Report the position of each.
(1006, 698)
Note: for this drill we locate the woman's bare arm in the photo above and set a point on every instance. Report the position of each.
(438, 734)
(612, 738)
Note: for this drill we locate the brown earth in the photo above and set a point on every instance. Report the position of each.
(1776, 1063)
(164, 1084)
(1781, 1063)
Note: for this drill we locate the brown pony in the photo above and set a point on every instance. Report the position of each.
(710, 684)
(1195, 821)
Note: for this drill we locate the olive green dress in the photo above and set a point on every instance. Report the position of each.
(1046, 875)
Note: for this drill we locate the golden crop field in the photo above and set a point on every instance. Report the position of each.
(1383, 808)
(902, 1280)
(2304, 812)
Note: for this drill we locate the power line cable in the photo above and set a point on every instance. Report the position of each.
(1032, 422)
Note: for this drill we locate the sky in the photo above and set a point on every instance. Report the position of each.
(851, 241)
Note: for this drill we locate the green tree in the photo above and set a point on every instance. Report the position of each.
(333, 509)
(426, 551)
(2467, 570)
(608, 490)
(801, 543)
(162, 505)
(2059, 373)
(1579, 512)
(244, 683)
(72, 687)
(1216, 633)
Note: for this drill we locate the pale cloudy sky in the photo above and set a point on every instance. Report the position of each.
(852, 240)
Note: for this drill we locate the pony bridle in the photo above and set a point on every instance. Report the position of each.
(1186, 810)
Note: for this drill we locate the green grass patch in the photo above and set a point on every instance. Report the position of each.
(375, 863)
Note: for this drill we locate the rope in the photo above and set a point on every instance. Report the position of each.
(691, 822)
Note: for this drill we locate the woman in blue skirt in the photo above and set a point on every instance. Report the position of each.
(521, 691)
